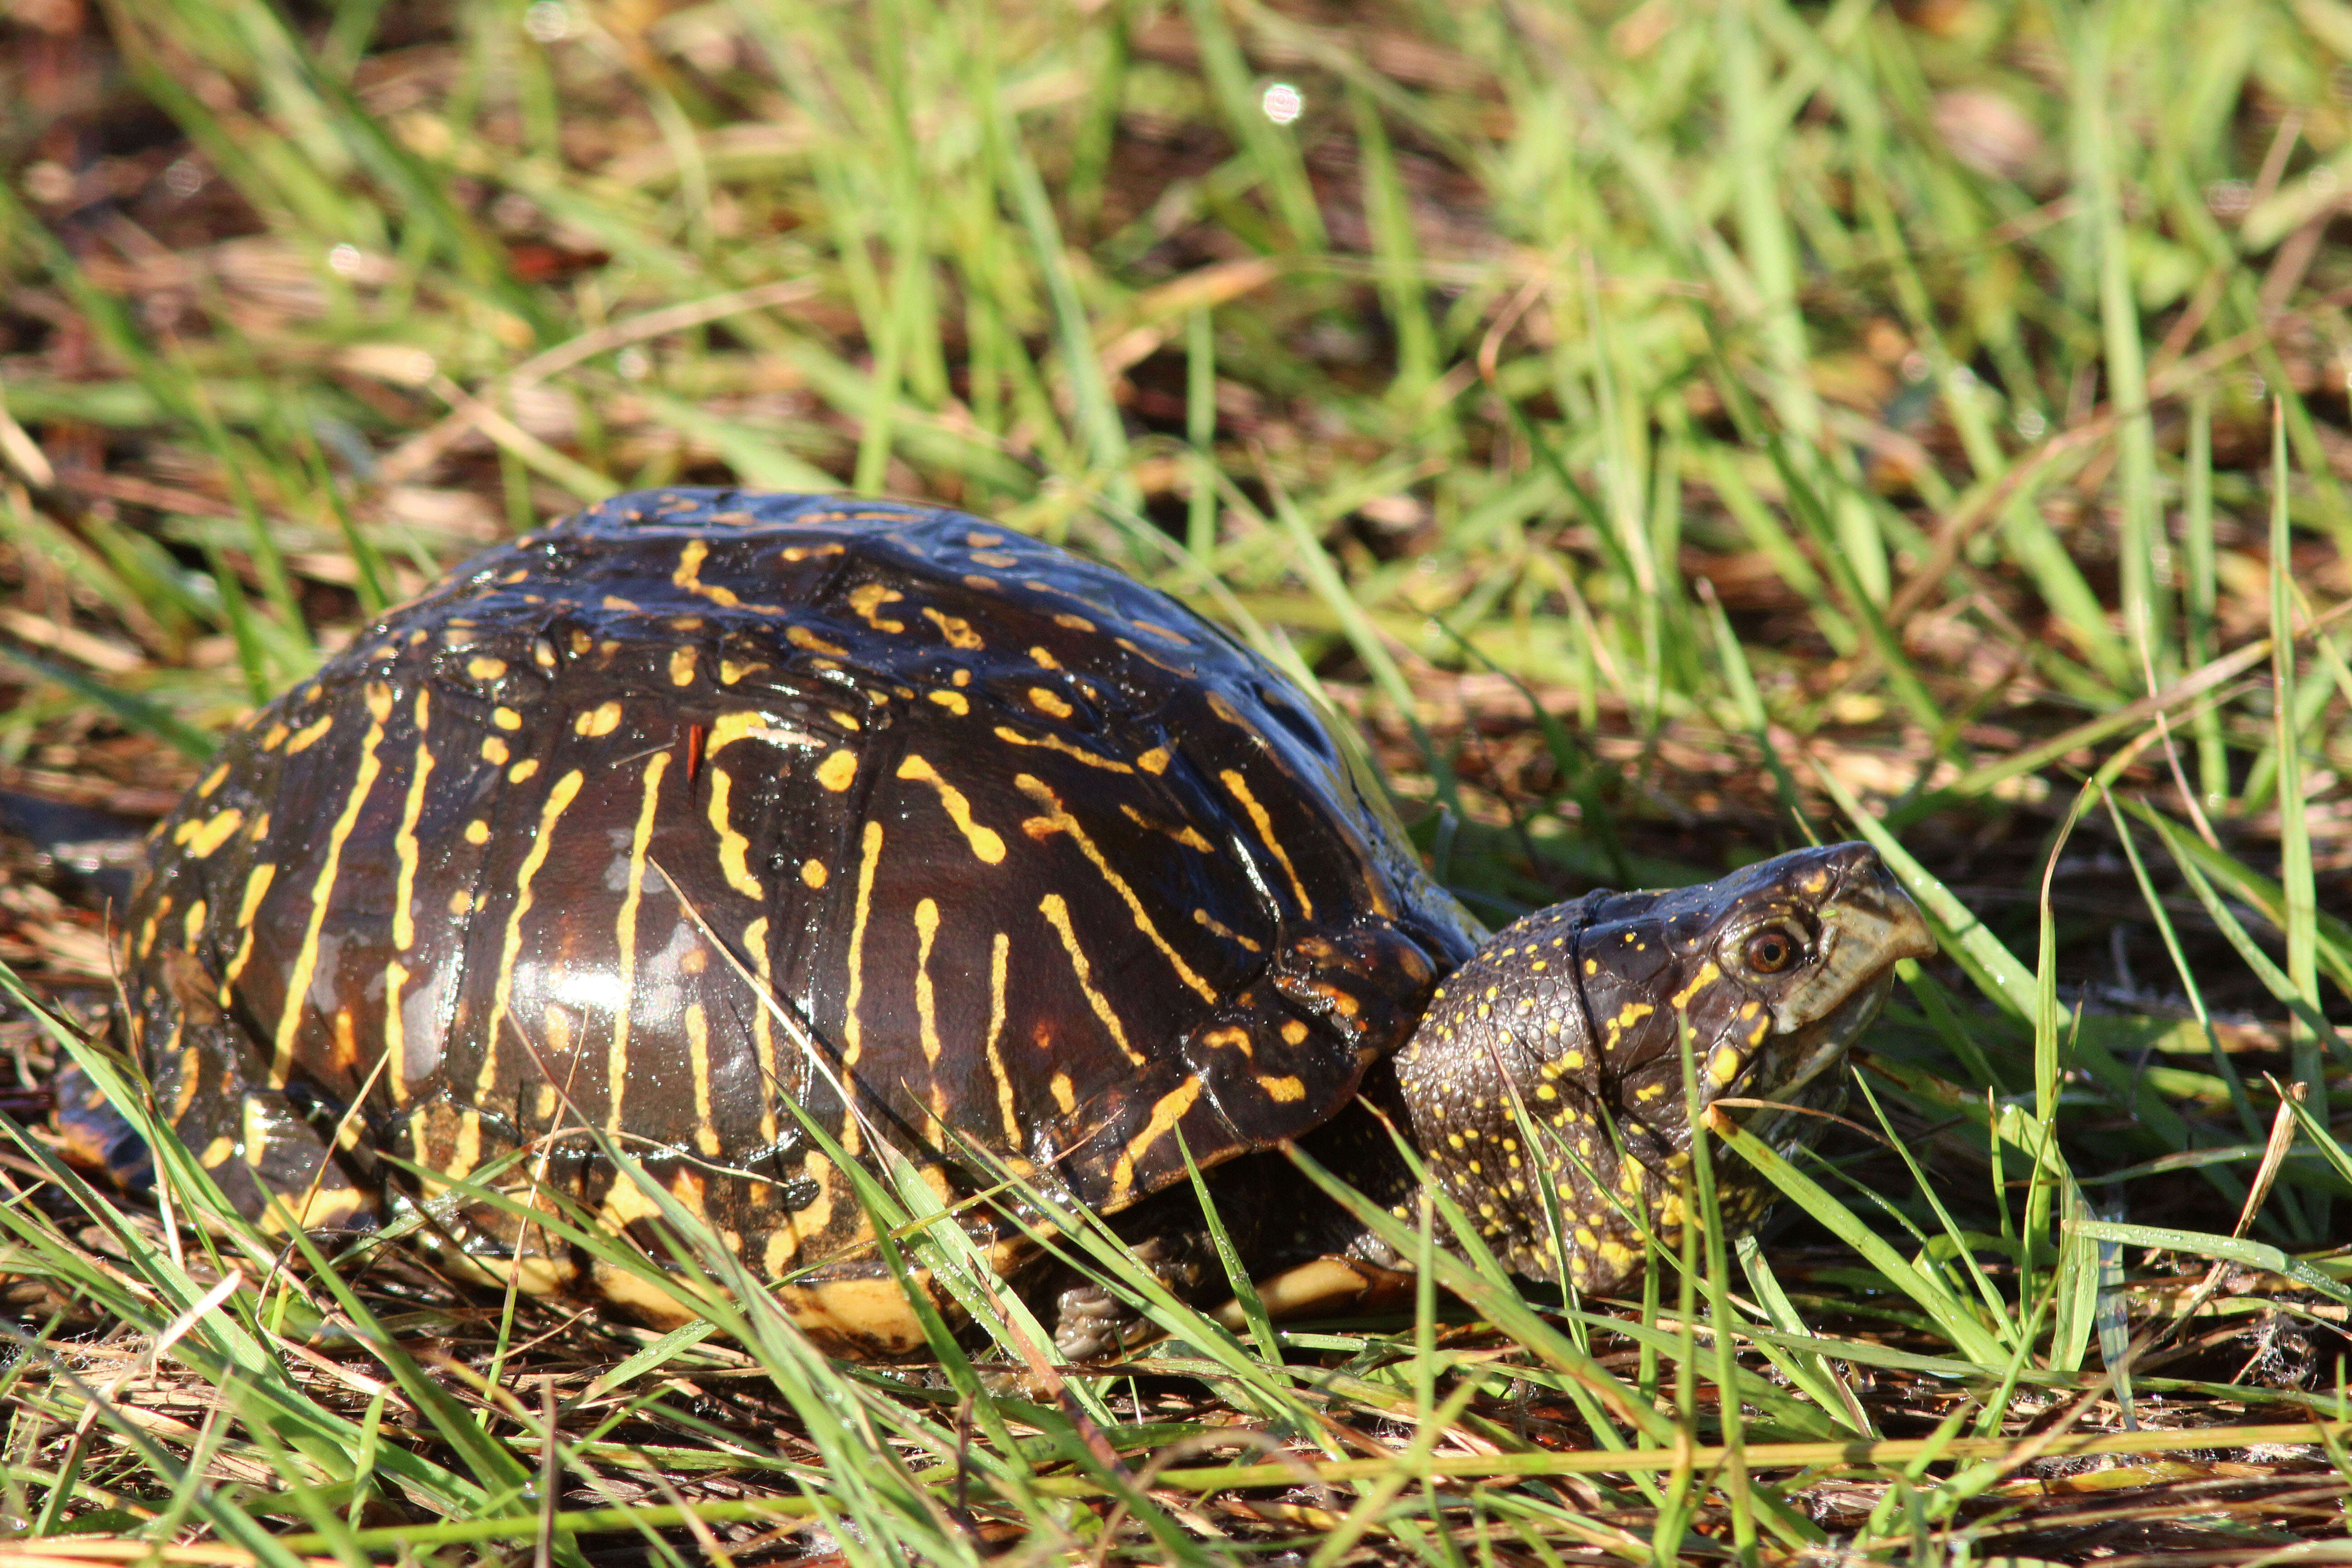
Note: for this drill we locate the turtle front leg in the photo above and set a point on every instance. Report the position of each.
(1091, 1322)
(1305, 1254)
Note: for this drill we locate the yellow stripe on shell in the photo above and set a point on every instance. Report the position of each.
(800, 637)
(559, 796)
(1165, 1114)
(306, 957)
(867, 599)
(985, 842)
(1238, 787)
(954, 628)
(1188, 836)
(734, 848)
(852, 1033)
(1059, 820)
(405, 847)
(616, 1064)
(763, 1027)
(396, 1032)
(1056, 912)
(1012, 737)
(689, 577)
(926, 1008)
(999, 953)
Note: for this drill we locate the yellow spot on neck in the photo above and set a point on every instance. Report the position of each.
(1708, 975)
(837, 771)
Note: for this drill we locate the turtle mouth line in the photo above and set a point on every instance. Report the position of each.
(1822, 1044)
(1817, 1048)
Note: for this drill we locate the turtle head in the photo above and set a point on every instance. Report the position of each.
(1559, 1044)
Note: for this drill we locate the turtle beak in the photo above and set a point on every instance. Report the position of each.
(1867, 922)
(1872, 912)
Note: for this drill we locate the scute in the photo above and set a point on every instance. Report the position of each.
(1038, 860)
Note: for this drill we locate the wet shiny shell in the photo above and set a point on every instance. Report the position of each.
(1032, 856)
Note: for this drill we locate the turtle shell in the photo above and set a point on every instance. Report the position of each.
(703, 801)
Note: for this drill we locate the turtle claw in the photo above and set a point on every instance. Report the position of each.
(1090, 1323)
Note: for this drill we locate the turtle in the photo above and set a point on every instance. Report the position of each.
(704, 820)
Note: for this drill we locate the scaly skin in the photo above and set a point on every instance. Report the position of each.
(1559, 1044)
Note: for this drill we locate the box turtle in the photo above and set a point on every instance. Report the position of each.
(701, 805)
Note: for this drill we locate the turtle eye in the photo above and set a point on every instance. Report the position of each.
(1770, 951)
